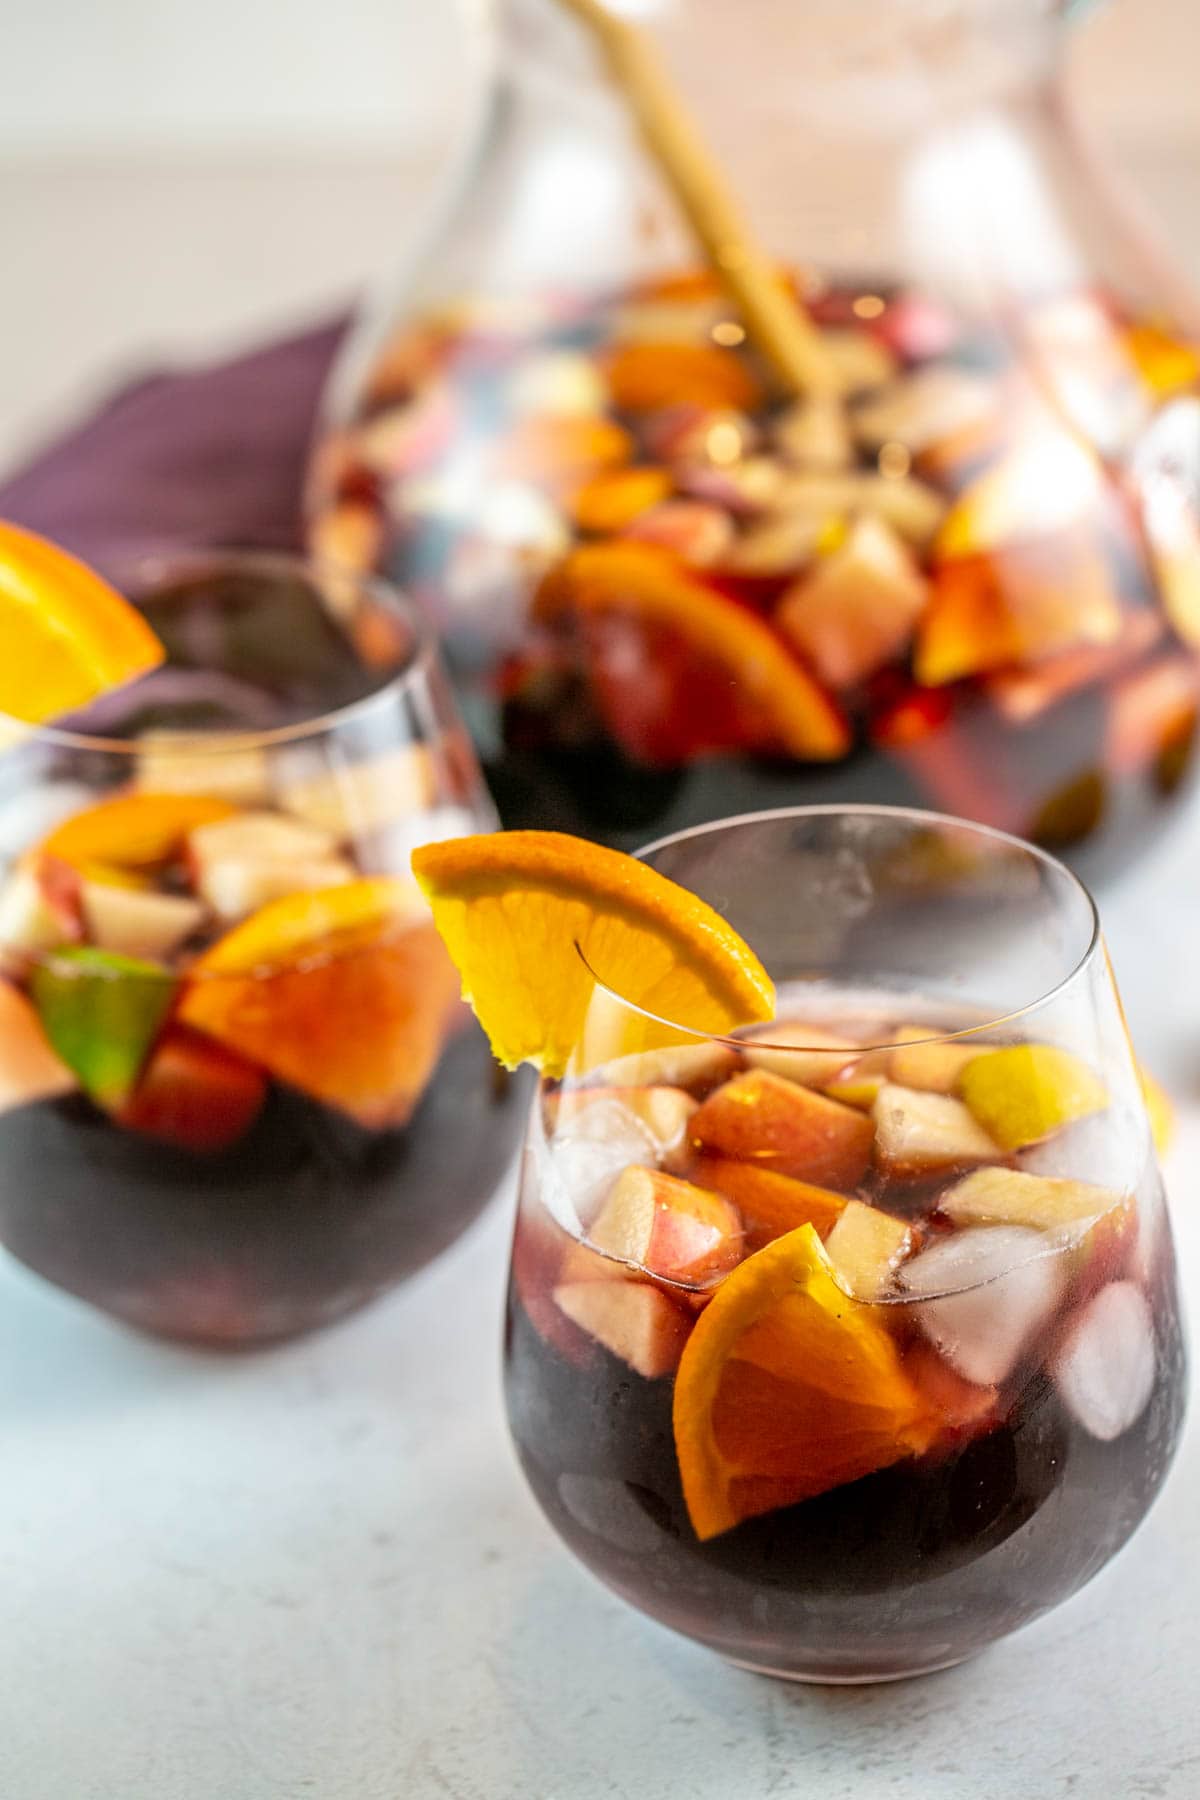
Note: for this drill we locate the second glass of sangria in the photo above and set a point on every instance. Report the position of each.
(239, 1093)
(849, 1343)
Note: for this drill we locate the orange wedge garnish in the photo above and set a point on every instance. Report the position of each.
(530, 917)
(779, 704)
(66, 636)
(788, 1388)
(133, 831)
(344, 993)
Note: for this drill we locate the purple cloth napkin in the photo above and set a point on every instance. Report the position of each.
(209, 458)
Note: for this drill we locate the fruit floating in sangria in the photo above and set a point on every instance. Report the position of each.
(239, 1094)
(965, 576)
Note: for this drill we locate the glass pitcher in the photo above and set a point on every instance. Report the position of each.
(963, 572)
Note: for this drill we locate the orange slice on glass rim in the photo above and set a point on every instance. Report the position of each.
(642, 582)
(787, 1388)
(532, 918)
(344, 993)
(66, 636)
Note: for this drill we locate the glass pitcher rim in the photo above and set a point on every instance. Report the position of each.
(924, 816)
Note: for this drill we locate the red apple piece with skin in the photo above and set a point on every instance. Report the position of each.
(857, 608)
(633, 1320)
(29, 1068)
(758, 1117)
(667, 1226)
(918, 1133)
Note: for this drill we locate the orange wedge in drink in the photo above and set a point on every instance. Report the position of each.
(133, 831)
(344, 993)
(66, 636)
(788, 1388)
(533, 919)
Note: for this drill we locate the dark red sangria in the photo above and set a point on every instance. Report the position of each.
(240, 1093)
(850, 1343)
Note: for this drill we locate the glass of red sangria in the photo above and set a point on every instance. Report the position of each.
(240, 1095)
(849, 1343)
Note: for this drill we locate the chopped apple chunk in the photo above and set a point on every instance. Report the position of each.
(815, 434)
(245, 862)
(179, 762)
(776, 1124)
(137, 922)
(29, 1068)
(31, 918)
(362, 797)
(632, 1319)
(925, 408)
(800, 1052)
(856, 1087)
(1025, 1092)
(918, 1133)
(856, 610)
(866, 1247)
(1010, 1197)
(669, 1227)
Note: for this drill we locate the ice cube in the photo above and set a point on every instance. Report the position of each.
(1105, 1368)
(990, 1290)
(586, 1157)
(32, 812)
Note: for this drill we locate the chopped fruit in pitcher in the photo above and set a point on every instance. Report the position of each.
(1026, 1092)
(866, 1247)
(918, 1133)
(101, 1012)
(782, 1126)
(734, 582)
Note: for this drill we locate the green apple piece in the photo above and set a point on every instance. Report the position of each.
(101, 1012)
(1027, 1092)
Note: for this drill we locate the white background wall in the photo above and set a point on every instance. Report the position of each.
(239, 74)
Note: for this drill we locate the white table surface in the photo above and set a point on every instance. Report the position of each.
(316, 1571)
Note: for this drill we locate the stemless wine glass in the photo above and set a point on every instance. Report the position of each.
(240, 1094)
(848, 1344)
